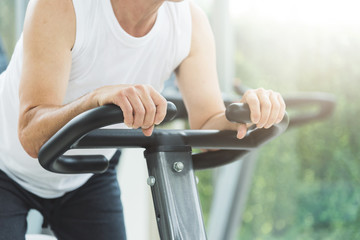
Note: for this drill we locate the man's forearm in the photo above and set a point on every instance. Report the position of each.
(38, 124)
(142, 106)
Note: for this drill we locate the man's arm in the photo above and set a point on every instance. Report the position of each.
(198, 83)
(49, 35)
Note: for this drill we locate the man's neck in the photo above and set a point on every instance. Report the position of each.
(136, 17)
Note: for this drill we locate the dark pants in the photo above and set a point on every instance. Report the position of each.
(94, 211)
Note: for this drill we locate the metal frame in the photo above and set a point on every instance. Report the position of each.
(175, 197)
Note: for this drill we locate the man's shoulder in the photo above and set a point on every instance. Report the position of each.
(46, 5)
(48, 12)
(49, 23)
(197, 14)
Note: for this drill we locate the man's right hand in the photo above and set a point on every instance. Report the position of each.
(142, 105)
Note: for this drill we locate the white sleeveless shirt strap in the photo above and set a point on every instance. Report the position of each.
(84, 14)
(181, 15)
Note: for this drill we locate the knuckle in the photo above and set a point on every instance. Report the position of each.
(276, 105)
(141, 87)
(137, 122)
(276, 96)
(140, 111)
(121, 94)
(151, 112)
(272, 119)
(161, 107)
(248, 92)
(127, 121)
(260, 90)
(128, 118)
(149, 120)
(127, 111)
(251, 99)
(266, 105)
(256, 116)
(131, 90)
(279, 97)
(163, 100)
(151, 109)
(160, 116)
(149, 87)
(146, 125)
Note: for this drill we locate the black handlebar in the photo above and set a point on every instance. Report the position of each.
(51, 153)
(238, 112)
(321, 106)
(300, 102)
(83, 132)
(324, 104)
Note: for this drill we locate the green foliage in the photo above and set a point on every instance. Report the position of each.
(205, 189)
(312, 173)
(306, 184)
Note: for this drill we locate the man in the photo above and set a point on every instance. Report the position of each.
(77, 55)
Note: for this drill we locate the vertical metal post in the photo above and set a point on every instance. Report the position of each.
(222, 27)
(230, 196)
(175, 196)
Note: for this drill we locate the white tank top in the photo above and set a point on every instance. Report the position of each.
(103, 54)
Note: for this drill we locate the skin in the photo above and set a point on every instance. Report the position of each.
(49, 35)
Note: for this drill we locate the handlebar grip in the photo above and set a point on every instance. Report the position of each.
(171, 112)
(238, 112)
(51, 153)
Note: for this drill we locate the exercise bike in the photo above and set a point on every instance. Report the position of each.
(168, 154)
